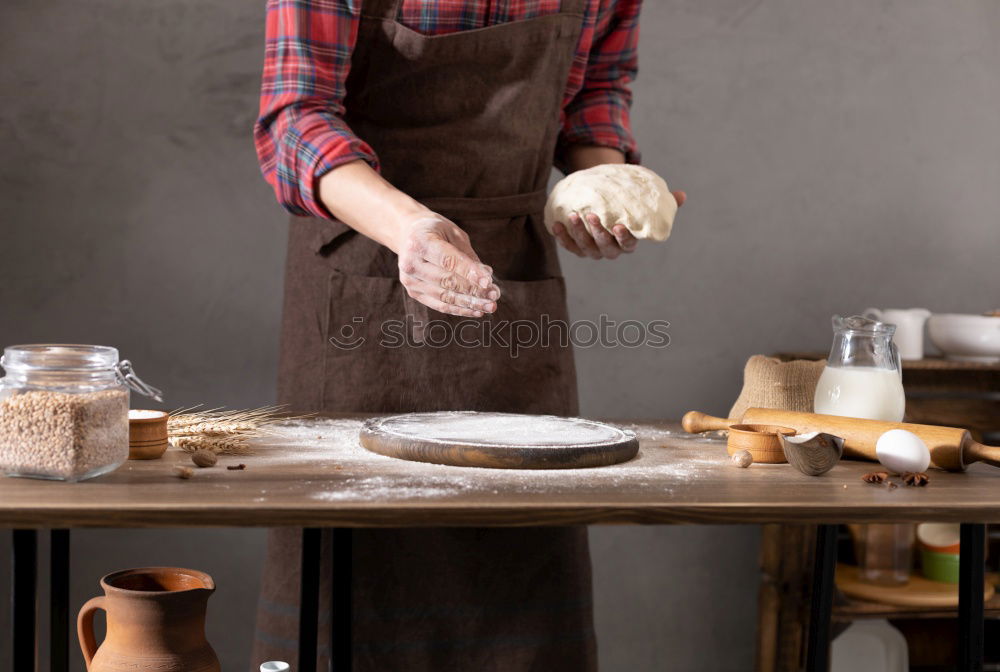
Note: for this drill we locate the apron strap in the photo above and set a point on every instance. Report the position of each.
(382, 9)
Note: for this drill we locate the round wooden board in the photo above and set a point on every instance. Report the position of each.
(499, 440)
(919, 592)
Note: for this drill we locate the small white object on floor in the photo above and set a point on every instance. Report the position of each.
(275, 666)
(901, 451)
(870, 646)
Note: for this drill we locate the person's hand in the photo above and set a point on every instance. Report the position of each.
(439, 268)
(590, 239)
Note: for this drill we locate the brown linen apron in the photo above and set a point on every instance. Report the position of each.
(466, 123)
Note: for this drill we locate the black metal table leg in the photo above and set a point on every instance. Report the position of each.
(23, 599)
(821, 607)
(309, 599)
(59, 601)
(972, 576)
(340, 601)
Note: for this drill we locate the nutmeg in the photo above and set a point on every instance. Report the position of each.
(180, 471)
(742, 459)
(204, 458)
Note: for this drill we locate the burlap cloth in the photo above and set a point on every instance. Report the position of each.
(770, 383)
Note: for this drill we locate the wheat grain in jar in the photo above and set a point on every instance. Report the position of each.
(64, 410)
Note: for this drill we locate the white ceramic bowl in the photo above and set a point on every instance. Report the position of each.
(974, 338)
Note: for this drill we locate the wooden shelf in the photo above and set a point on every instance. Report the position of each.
(853, 610)
(849, 609)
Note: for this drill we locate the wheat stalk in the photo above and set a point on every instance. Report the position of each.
(245, 420)
(223, 432)
(215, 428)
(221, 445)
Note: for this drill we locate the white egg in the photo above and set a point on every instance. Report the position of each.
(901, 451)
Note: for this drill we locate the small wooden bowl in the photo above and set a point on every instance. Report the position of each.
(760, 440)
(147, 434)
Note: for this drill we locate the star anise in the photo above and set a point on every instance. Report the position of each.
(876, 477)
(915, 479)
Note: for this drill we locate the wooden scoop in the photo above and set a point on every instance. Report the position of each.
(814, 453)
(763, 442)
(951, 448)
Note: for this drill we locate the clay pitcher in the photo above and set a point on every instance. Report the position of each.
(156, 621)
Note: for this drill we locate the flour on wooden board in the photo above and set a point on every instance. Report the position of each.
(514, 429)
(330, 441)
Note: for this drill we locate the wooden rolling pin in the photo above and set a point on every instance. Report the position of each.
(951, 448)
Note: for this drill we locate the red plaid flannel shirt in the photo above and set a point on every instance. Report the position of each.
(300, 133)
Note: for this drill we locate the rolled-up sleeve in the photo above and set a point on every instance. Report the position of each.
(300, 132)
(599, 113)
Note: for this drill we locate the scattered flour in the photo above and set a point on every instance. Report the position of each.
(346, 472)
(378, 488)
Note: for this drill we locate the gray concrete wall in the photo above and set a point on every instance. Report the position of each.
(837, 155)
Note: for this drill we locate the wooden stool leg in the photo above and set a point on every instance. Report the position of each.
(786, 561)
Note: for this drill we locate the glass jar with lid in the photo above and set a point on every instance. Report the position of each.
(64, 410)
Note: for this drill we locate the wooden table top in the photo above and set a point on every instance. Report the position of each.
(315, 473)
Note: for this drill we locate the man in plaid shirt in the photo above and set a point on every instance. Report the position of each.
(301, 134)
(412, 140)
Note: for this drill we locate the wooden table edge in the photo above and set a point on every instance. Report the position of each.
(449, 515)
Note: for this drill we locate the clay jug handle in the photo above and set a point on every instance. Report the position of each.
(85, 628)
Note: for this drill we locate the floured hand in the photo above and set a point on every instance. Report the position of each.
(439, 268)
(589, 238)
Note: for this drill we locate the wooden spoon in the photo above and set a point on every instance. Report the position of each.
(761, 441)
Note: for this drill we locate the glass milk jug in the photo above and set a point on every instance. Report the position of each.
(863, 377)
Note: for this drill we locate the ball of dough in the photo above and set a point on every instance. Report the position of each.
(618, 194)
